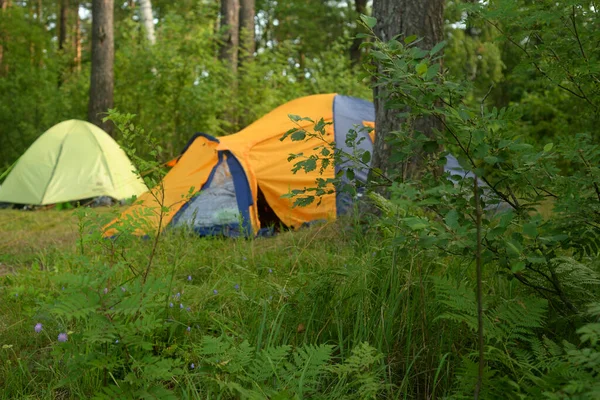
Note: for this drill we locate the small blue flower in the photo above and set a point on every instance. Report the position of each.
(105, 290)
(188, 309)
(181, 306)
(62, 337)
(189, 328)
(270, 271)
(189, 278)
(236, 287)
(123, 288)
(171, 305)
(245, 258)
(63, 288)
(38, 328)
(117, 341)
(192, 366)
(16, 294)
(215, 291)
(177, 295)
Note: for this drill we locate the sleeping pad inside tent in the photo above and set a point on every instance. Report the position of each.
(73, 160)
(237, 182)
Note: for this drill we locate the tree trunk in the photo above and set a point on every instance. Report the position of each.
(230, 10)
(423, 18)
(247, 12)
(62, 24)
(360, 6)
(103, 54)
(77, 38)
(147, 20)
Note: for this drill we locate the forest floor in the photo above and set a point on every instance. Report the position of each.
(27, 236)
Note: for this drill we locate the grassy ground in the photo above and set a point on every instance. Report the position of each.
(315, 286)
(332, 285)
(27, 236)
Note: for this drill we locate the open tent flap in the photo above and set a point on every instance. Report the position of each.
(187, 176)
(222, 204)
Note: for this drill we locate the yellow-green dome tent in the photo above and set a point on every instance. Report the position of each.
(73, 160)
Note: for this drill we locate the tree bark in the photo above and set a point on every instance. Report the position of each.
(147, 20)
(103, 54)
(360, 6)
(423, 18)
(77, 38)
(62, 24)
(230, 10)
(247, 12)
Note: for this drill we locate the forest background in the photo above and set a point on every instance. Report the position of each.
(379, 310)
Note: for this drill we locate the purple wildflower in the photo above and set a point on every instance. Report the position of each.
(171, 305)
(63, 288)
(178, 295)
(236, 287)
(188, 309)
(62, 337)
(215, 291)
(117, 341)
(181, 306)
(192, 366)
(189, 328)
(123, 288)
(189, 278)
(38, 328)
(270, 271)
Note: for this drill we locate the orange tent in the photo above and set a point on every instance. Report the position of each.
(219, 185)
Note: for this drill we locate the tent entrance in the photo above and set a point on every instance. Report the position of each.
(214, 209)
(267, 217)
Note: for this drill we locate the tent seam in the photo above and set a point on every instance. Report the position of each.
(104, 161)
(62, 143)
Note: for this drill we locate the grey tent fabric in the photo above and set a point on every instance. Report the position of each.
(215, 205)
(350, 113)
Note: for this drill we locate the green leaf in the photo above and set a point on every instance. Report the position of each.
(437, 47)
(530, 229)
(366, 157)
(421, 68)
(350, 174)
(491, 160)
(548, 147)
(513, 249)
(451, 219)
(298, 135)
(369, 21)
(410, 39)
(518, 267)
(433, 71)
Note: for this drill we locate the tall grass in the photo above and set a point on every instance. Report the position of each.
(335, 284)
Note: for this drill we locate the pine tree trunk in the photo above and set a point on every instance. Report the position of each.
(423, 18)
(147, 20)
(102, 77)
(247, 12)
(360, 6)
(77, 38)
(230, 10)
(62, 24)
